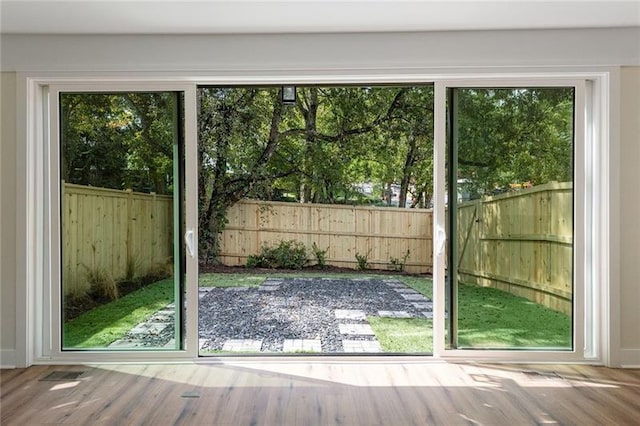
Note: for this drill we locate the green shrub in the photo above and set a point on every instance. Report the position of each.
(101, 283)
(132, 268)
(256, 261)
(363, 260)
(321, 255)
(398, 265)
(286, 255)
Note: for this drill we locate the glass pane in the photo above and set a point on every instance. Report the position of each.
(315, 219)
(511, 162)
(120, 220)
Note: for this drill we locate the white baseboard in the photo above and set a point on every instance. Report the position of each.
(630, 358)
(7, 358)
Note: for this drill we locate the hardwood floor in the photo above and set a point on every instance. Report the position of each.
(298, 391)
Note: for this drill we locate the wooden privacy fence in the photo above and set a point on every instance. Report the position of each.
(106, 228)
(521, 243)
(383, 233)
(518, 242)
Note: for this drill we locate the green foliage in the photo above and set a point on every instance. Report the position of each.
(257, 261)
(131, 268)
(101, 283)
(321, 255)
(119, 141)
(514, 136)
(315, 151)
(397, 264)
(286, 255)
(363, 260)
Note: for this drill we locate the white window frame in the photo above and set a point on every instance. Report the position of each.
(34, 324)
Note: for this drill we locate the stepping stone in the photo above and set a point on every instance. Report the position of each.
(269, 288)
(302, 345)
(394, 314)
(423, 305)
(236, 289)
(170, 344)
(149, 328)
(201, 343)
(361, 346)
(356, 329)
(406, 291)
(203, 292)
(416, 297)
(350, 314)
(242, 345)
(270, 282)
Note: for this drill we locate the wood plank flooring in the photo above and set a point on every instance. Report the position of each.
(344, 391)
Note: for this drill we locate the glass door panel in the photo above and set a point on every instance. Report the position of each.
(120, 166)
(510, 213)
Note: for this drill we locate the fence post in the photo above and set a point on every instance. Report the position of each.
(129, 197)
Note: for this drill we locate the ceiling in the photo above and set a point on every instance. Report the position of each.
(306, 16)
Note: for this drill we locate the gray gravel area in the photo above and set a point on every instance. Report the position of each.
(295, 308)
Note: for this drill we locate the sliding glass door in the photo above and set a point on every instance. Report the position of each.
(121, 157)
(375, 187)
(511, 215)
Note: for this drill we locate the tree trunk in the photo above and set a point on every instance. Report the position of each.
(407, 171)
(309, 109)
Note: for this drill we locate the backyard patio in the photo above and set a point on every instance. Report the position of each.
(293, 314)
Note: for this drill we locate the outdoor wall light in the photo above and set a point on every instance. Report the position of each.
(289, 95)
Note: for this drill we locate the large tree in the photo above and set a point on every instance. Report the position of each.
(514, 136)
(119, 141)
(251, 145)
(239, 137)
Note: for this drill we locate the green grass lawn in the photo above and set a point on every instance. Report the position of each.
(491, 318)
(403, 335)
(231, 280)
(105, 324)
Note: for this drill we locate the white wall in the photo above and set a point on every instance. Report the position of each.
(7, 218)
(209, 53)
(316, 54)
(630, 216)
